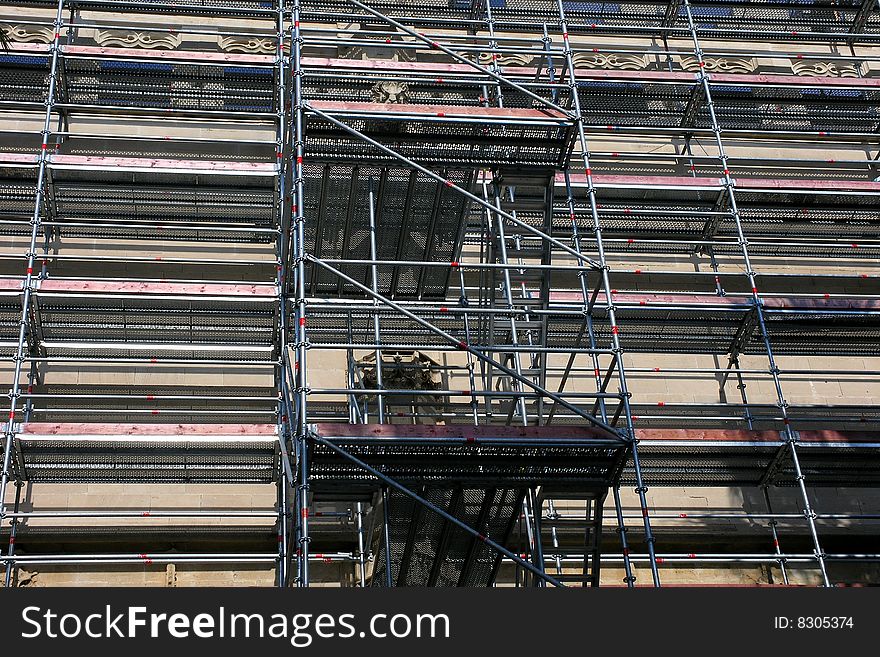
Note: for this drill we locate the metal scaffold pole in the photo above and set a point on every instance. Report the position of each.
(300, 369)
(283, 206)
(21, 349)
(641, 488)
(728, 183)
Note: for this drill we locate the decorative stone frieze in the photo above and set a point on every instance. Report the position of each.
(815, 68)
(127, 39)
(506, 59)
(721, 64)
(249, 45)
(28, 33)
(624, 62)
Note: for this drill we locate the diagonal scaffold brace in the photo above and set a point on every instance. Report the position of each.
(596, 422)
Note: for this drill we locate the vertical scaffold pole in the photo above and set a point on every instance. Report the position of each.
(13, 530)
(283, 205)
(531, 503)
(362, 547)
(588, 302)
(377, 336)
(588, 329)
(776, 547)
(386, 537)
(298, 233)
(28, 281)
(641, 489)
(751, 274)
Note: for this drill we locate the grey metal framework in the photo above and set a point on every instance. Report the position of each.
(442, 201)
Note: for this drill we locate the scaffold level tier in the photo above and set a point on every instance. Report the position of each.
(120, 453)
(149, 402)
(440, 135)
(787, 19)
(158, 198)
(684, 457)
(158, 320)
(248, 9)
(664, 323)
(797, 216)
(478, 457)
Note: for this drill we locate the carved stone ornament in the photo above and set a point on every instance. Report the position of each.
(379, 35)
(405, 370)
(506, 59)
(824, 69)
(28, 33)
(721, 64)
(125, 39)
(381, 54)
(250, 45)
(622, 62)
(390, 91)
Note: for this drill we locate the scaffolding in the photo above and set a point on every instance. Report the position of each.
(498, 222)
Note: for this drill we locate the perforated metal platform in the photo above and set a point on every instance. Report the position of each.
(803, 416)
(672, 457)
(757, 105)
(710, 18)
(779, 216)
(18, 181)
(119, 319)
(254, 8)
(416, 83)
(764, 106)
(163, 198)
(607, 104)
(100, 78)
(120, 453)
(667, 323)
(682, 323)
(421, 83)
(24, 78)
(439, 135)
(469, 456)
